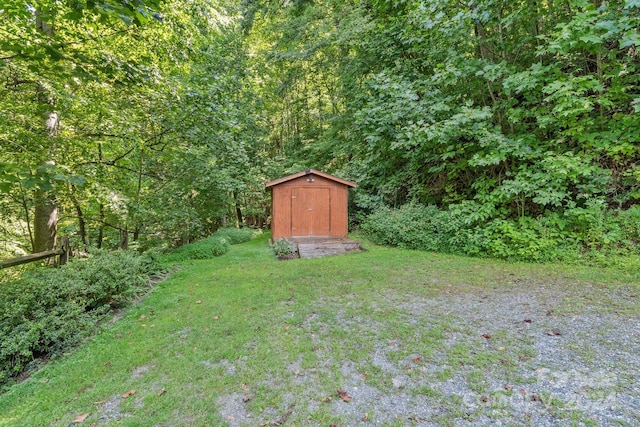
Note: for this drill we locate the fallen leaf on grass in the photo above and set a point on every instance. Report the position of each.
(246, 399)
(327, 399)
(484, 399)
(528, 320)
(486, 336)
(198, 302)
(344, 395)
(118, 336)
(161, 392)
(216, 317)
(535, 398)
(80, 418)
(554, 332)
(417, 359)
(143, 316)
(107, 363)
(508, 387)
(129, 393)
(286, 327)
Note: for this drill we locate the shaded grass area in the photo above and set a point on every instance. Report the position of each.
(246, 340)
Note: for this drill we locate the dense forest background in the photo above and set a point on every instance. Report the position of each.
(494, 127)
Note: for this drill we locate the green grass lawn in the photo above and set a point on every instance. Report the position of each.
(244, 339)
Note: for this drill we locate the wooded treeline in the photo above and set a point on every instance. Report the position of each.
(124, 121)
(162, 120)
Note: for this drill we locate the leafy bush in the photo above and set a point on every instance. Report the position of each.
(516, 240)
(282, 247)
(202, 249)
(414, 226)
(46, 311)
(590, 234)
(235, 235)
(213, 246)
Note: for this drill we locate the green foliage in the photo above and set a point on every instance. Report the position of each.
(202, 249)
(516, 105)
(47, 311)
(235, 235)
(412, 226)
(282, 247)
(213, 246)
(148, 140)
(494, 110)
(578, 235)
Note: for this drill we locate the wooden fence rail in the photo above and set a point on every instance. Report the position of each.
(64, 252)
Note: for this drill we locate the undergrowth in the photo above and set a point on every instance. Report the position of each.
(210, 247)
(592, 235)
(46, 311)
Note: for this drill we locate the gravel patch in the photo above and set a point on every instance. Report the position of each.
(515, 356)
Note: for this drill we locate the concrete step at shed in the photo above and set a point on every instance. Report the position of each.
(318, 250)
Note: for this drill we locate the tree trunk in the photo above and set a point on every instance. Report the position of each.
(82, 224)
(124, 239)
(45, 223)
(45, 217)
(101, 226)
(238, 210)
(27, 217)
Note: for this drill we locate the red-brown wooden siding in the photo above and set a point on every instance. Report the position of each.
(303, 208)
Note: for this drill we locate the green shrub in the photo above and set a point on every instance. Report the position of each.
(235, 235)
(213, 246)
(413, 226)
(47, 311)
(629, 223)
(517, 240)
(202, 249)
(591, 234)
(282, 247)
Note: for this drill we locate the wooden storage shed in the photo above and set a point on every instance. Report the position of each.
(309, 203)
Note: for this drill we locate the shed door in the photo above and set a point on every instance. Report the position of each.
(310, 208)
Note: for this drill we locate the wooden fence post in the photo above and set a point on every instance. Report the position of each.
(65, 251)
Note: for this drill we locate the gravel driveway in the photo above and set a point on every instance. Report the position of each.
(522, 354)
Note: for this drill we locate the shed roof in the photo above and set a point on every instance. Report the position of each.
(309, 172)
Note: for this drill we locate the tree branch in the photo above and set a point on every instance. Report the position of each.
(108, 163)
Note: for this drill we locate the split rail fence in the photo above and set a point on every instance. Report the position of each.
(64, 253)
